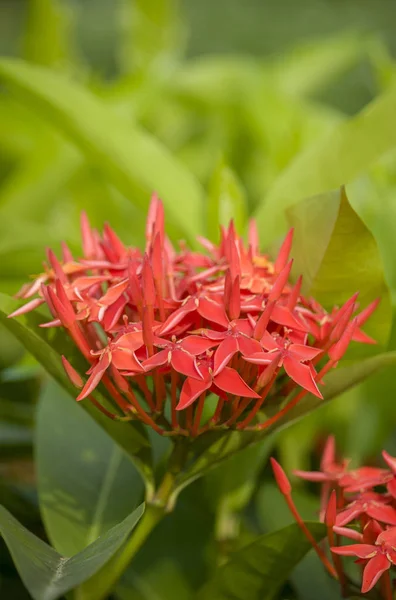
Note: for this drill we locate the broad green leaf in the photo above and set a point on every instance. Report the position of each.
(86, 483)
(226, 201)
(46, 573)
(132, 160)
(47, 346)
(259, 570)
(336, 159)
(47, 33)
(337, 256)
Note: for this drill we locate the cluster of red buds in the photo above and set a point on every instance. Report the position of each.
(358, 505)
(164, 330)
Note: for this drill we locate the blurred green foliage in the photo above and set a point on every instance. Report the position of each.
(227, 109)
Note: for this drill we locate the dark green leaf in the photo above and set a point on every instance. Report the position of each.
(46, 573)
(86, 483)
(260, 569)
(132, 160)
(337, 256)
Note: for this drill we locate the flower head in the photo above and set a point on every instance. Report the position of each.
(168, 326)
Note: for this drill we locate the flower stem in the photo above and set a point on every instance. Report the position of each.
(100, 586)
(161, 503)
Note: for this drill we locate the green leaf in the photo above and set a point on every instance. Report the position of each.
(259, 570)
(46, 573)
(47, 346)
(337, 256)
(226, 201)
(86, 484)
(131, 159)
(334, 160)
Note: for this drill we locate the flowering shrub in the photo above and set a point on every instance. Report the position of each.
(358, 505)
(182, 325)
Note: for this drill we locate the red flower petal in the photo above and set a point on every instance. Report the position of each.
(195, 344)
(97, 373)
(283, 254)
(248, 346)
(113, 293)
(312, 476)
(157, 360)
(211, 311)
(391, 487)
(302, 375)
(301, 352)
(349, 514)
(131, 341)
(384, 514)
(224, 353)
(125, 360)
(262, 358)
(191, 390)
(373, 571)
(26, 308)
(360, 550)
(175, 318)
(230, 381)
(283, 316)
(184, 363)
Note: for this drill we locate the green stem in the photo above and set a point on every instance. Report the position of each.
(103, 582)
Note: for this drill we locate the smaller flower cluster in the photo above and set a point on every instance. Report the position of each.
(358, 505)
(166, 330)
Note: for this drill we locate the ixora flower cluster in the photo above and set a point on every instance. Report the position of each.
(358, 505)
(166, 330)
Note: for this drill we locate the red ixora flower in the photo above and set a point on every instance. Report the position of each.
(366, 515)
(168, 326)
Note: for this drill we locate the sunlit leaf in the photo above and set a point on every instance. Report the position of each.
(337, 256)
(334, 160)
(131, 159)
